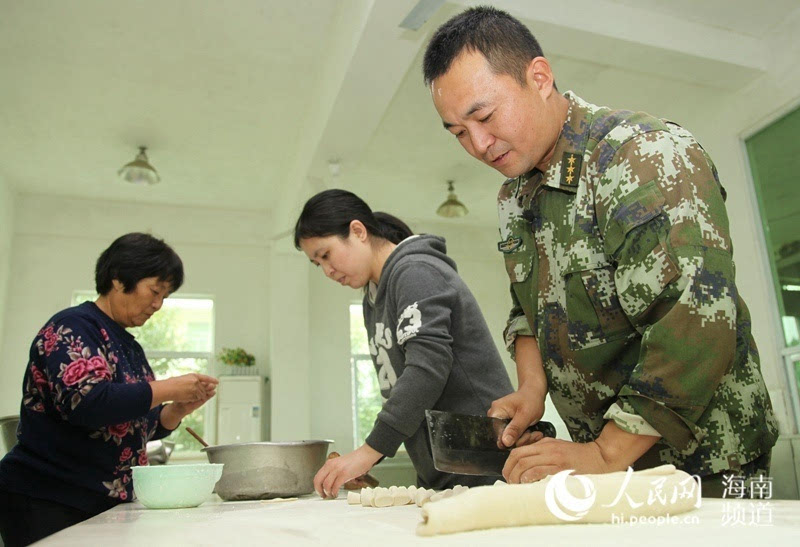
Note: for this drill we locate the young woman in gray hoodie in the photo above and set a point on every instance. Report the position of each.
(429, 341)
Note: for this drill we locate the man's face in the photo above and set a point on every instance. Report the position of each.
(498, 121)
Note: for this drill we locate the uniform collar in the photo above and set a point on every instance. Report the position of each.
(564, 170)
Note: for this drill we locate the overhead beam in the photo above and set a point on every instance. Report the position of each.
(361, 78)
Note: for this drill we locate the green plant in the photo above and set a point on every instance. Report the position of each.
(236, 357)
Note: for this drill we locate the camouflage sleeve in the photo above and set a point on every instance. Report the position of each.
(661, 212)
(517, 325)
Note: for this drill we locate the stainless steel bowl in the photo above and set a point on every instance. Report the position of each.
(267, 470)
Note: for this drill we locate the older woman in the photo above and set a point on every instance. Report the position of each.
(90, 401)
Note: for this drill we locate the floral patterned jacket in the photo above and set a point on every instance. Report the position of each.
(85, 417)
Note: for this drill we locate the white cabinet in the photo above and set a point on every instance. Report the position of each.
(242, 409)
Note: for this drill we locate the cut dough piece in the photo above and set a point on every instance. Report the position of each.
(412, 491)
(459, 489)
(441, 495)
(401, 496)
(383, 498)
(563, 499)
(366, 497)
(422, 496)
(353, 498)
(500, 483)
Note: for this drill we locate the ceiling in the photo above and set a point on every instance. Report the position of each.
(243, 104)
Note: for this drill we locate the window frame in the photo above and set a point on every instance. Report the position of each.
(787, 372)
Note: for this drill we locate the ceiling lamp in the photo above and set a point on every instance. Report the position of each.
(139, 171)
(451, 208)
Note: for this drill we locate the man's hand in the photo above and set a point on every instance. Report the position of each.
(338, 471)
(614, 450)
(549, 456)
(524, 407)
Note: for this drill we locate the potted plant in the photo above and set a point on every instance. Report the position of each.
(237, 362)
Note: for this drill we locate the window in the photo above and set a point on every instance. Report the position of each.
(774, 154)
(367, 400)
(179, 339)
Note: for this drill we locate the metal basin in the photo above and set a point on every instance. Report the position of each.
(267, 470)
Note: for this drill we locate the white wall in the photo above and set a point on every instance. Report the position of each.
(292, 402)
(7, 199)
(56, 243)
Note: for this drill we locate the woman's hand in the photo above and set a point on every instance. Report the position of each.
(338, 471)
(189, 388)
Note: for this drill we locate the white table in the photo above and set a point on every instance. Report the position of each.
(312, 521)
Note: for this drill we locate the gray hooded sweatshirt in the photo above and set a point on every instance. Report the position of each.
(431, 349)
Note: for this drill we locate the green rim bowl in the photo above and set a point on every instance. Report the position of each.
(175, 486)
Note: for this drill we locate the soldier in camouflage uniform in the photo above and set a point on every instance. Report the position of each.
(615, 239)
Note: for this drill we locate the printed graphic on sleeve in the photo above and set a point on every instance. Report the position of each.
(409, 323)
(377, 347)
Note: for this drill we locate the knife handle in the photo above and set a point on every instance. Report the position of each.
(546, 428)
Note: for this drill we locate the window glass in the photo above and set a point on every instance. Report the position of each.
(367, 400)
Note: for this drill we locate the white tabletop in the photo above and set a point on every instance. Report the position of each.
(312, 521)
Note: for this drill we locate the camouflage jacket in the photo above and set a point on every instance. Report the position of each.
(621, 265)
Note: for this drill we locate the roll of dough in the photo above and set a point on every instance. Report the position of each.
(653, 492)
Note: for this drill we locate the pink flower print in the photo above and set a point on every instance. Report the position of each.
(119, 430)
(39, 379)
(50, 340)
(50, 345)
(126, 455)
(76, 371)
(99, 367)
(104, 334)
(123, 496)
(143, 458)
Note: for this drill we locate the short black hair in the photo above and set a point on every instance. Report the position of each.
(134, 257)
(330, 213)
(506, 43)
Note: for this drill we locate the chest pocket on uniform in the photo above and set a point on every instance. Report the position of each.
(594, 313)
(518, 250)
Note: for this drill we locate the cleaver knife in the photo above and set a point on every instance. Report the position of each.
(468, 445)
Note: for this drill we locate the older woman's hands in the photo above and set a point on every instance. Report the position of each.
(187, 393)
(188, 388)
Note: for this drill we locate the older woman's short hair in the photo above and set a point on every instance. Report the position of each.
(134, 257)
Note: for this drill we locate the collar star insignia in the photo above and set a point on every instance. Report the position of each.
(570, 169)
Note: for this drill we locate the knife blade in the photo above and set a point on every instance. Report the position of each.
(468, 445)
